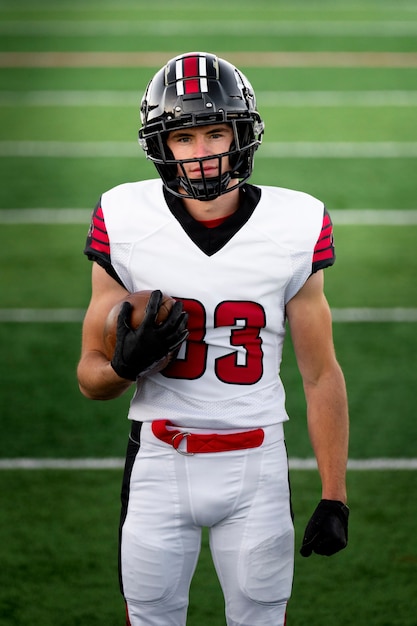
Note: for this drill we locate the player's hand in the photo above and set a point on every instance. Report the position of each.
(327, 531)
(139, 351)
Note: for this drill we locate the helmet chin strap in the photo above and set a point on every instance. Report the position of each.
(205, 189)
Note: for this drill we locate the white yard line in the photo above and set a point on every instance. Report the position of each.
(236, 28)
(360, 464)
(386, 98)
(118, 463)
(269, 150)
(241, 59)
(71, 464)
(339, 150)
(373, 217)
(349, 315)
(46, 216)
(47, 316)
(391, 98)
(340, 217)
(395, 314)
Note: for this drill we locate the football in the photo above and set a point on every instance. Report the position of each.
(139, 301)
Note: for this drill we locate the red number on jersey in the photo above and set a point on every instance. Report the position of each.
(250, 318)
(193, 364)
(241, 367)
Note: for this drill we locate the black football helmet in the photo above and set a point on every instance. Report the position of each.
(200, 89)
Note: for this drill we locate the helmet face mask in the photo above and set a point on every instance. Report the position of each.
(195, 90)
(202, 188)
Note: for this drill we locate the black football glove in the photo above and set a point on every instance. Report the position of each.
(327, 531)
(139, 351)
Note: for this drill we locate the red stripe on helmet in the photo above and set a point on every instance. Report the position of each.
(191, 85)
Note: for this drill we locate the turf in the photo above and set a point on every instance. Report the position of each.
(377, 255)
(281, 79)
(340, 183)
(283, 123)
(67, 425)
(58, 528)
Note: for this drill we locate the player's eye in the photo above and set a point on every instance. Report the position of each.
(220, 133)
(180, 138)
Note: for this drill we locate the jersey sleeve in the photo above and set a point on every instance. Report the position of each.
(324, 253)
(97, 247)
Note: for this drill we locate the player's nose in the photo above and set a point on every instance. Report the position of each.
(201, 147)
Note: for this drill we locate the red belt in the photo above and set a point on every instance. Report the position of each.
(195, 442)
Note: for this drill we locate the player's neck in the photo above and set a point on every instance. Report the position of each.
(213, 209)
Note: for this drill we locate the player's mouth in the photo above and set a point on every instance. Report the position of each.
(207, 172)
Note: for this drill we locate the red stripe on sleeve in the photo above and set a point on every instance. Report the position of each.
(99, 239)
(324, 253)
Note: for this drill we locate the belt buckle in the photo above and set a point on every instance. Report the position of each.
(176, 448)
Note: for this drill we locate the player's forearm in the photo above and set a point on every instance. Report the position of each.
(97, 379)
(328, 424)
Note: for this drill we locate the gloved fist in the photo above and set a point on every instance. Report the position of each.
(140, 351)
(327, 531)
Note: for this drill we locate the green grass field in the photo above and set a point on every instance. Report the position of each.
(340, 125)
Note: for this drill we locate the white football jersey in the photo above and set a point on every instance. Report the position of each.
(234, 280)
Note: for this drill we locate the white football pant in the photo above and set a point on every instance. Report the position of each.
(243, 498)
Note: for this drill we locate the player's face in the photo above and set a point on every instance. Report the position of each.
(196, 143)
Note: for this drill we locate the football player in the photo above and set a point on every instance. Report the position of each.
(206, 446)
